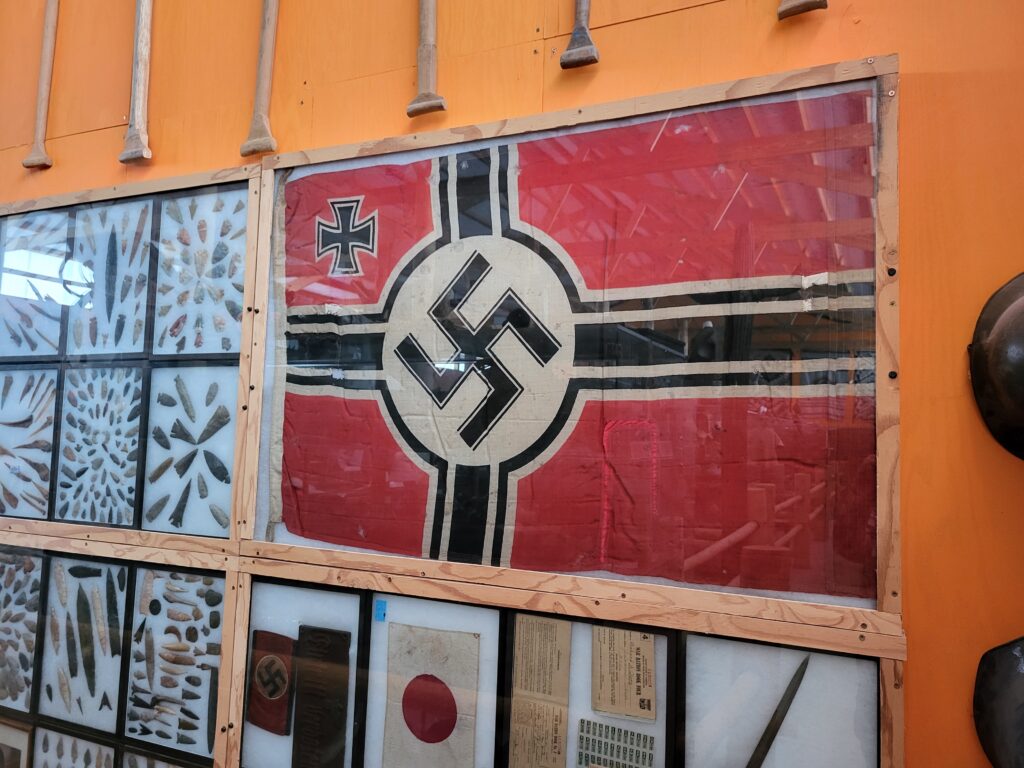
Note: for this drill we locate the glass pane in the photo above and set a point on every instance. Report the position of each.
(585, 695)
(190, 450)
(301, 700)
(99, 445)
(59, 750)
(132, 760)
(112, 249)
(27, 402)
(201, 273)
(35, 283)
(19, 617)
(642, 350)
(794, 708)
(176, 654)
(432, 683)
(82, 652)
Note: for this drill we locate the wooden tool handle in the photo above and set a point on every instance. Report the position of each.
(789, 8)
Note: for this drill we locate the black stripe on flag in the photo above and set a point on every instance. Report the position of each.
(473, 193)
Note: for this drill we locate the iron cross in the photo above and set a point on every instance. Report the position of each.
(345, 235)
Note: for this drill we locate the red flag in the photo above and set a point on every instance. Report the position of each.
(645, 349)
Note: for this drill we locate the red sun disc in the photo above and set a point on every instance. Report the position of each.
(428, 706)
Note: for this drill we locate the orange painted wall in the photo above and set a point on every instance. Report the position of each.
(345, 71)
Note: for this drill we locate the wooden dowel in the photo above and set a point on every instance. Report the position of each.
(136, 140)
(786, 538)
(792, 501)
(260, 138)
(581, 50)
(37, 157)
(427, 100)
(802, 483)
(719, 547)
(789, 8)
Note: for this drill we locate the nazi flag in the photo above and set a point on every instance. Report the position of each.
(643, 349)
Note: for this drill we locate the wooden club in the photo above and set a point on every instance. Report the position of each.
(789, 8)
(427, 100)
(260, 138)
(136, 140)
(37, 157)
(581, 50)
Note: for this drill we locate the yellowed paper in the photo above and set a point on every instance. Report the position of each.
(540, 693)
(446, 663)
(622, 675)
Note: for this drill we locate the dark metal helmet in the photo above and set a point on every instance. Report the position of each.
(998, 701)
(997, 365)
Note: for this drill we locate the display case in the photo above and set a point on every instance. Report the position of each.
(569, 440)
(119, 360)
(108, 659)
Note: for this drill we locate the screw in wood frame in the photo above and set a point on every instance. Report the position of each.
(37, 156)
(581, 50)
(789, 8)
(260, 138)
(136, 140)
(427, 100)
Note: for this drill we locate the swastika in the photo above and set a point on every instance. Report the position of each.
(473, 350)
(272, 677)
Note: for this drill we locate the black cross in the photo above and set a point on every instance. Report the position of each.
(473, 350)
(345, 235)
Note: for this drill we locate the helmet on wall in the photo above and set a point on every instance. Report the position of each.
(997, 365)
(998, 698)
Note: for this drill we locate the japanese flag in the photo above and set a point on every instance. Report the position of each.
(431, 702)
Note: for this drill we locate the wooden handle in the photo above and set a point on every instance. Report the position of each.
(136, 140)
(260, 138)
(789, 8)
(427, 100)
(581, 50)
(37, 157)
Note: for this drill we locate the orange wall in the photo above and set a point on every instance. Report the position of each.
(345, 72)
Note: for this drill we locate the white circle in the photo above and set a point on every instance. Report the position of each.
(513, 267)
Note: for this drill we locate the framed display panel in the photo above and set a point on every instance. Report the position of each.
(302, 676)
(112, 655)
(545, 692)
(15, 744)
(23, 582)
(758, 704)
(755, 614)
(53, 749)
(432, 683)
(591, 693)
(775, 434)
(119, 360)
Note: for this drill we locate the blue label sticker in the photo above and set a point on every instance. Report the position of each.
(380, 610)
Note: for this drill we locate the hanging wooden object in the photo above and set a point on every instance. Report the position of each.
(260, 138)
(789, 8)
(427, 100)
(136, 140)
(581, 50)
(37, 157)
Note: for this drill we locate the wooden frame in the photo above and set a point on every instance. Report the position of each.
(874, 633)
(25, 732)
(883, 70)
(830, 74)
